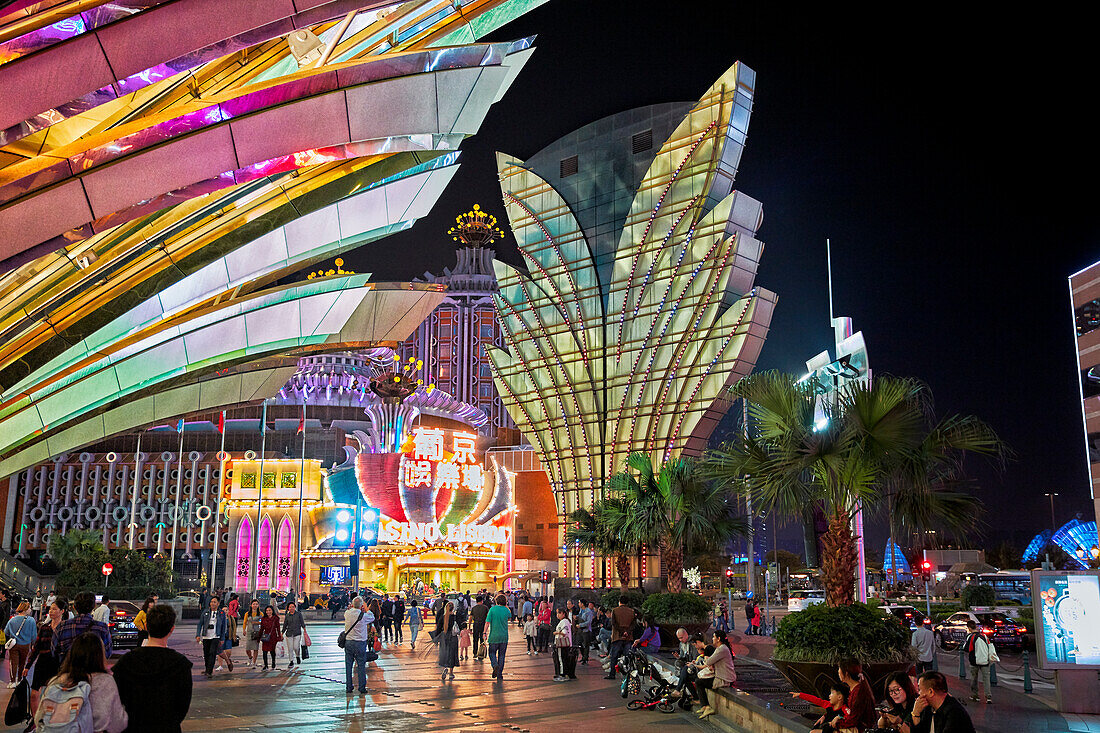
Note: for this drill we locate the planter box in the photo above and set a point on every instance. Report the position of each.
(815, 677)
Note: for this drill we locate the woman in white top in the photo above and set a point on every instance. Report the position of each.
(87, 662)
(721, 662)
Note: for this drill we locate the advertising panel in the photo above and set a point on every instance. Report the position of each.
(1067, 618)
(335, 574)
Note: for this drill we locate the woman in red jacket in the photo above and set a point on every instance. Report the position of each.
(269, 634)
(861, 701)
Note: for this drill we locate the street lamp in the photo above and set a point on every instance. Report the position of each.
(1053, 526)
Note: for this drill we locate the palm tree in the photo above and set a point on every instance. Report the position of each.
(76, 544)
(881, 441)
(591, 531)
(672, 509)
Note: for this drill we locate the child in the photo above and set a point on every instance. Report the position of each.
(834, 706)
(464, 644)
(530, 628)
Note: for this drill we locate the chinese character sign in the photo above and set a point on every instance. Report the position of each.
(428, 444)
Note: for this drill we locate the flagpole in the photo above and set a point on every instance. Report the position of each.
(301, 494)
(218, 514)
(255, 570)
(176, 513)
(137, 490)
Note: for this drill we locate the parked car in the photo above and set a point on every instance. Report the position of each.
(998, 628)
(800, 600)
(124, 635)
(190, 600)
(910, 617)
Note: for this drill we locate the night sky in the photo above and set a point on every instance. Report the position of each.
(949, 158)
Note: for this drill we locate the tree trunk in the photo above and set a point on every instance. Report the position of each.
(839, 560)
(673, 560)
(622, 569)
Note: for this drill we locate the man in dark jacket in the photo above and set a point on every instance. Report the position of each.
(385, 620)
(212, 632)
(154, 682)
(478, 614)
(622, 625)
(398, 618)
(935, 705)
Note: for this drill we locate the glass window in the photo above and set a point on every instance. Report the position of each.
(1088, 317)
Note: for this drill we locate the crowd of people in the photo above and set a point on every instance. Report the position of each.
(61, 649)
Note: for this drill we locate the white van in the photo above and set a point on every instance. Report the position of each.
(800, 600)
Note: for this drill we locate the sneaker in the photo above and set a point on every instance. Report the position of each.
(989, 701)
(609, 677)
(559, 678)
(289, 666)
(219, 668)
(349, 690)
(975, 698)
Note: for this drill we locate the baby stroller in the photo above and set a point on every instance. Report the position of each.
(659, 694)
(634, 667)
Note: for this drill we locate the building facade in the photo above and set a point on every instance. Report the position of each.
(637, 306)
(1084, 288)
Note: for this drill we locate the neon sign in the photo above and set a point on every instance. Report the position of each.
(409, 533)
(428, 464)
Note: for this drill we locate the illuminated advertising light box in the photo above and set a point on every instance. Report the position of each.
(335, 574)
(1067, 618)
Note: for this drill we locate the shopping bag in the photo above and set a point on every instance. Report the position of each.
(305, 652)
(306, 641)
(19, 706)
(282, 649)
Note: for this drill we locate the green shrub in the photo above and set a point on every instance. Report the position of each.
(634, 598)
(978, 595)
(676, 608)
(875, 602)
(826, 634)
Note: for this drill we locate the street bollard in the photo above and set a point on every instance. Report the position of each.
(1027, 672)
(992, 674)
(962, 663)
(935, 661)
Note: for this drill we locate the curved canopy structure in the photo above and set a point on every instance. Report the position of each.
(181, 163)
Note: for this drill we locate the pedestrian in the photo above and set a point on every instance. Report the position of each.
(22, 630)
(102, 612)
(546, 628)
(563, 643)
(154, 682)
(530, 630)
(901, 696)
(357, 620)
(982, 654)
(622, 624)
(685, 653)
(252, 633)
(750, 615)
(233, 607)
(935, 710)
(701, 677)
(528, 608)
(478, 615)
(721, 662)
(757, 620)
(924, 642)
(231, 640)
(294, 625)
(497, 621)
(446, 637)
(385, 618)
(41, 658)
(36, 605)
(415, 622)
(464, 644)
(398, 618)
(140, 620)
(861, 701)
(587, 616)
(211, 632)
(270, 635)
(83, 675)
(68, 631)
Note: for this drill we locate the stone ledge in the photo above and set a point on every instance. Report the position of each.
(744, 712)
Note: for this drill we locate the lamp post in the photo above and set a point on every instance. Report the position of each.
(1053, 526)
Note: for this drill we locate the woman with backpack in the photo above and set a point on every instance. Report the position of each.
(269, 634)
(83, 695)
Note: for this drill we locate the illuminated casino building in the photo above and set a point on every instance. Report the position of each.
(167, 169)
(636, 305)
(455, 338)
(1084, 289)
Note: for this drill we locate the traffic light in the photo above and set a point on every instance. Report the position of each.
(368, 526)
(729, 577)
(926, 570)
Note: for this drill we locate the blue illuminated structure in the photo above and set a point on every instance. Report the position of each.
(894, 561)
(1036, 546)
(1075, 537)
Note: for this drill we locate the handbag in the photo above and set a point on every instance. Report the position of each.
(305, 652)
(306, 641)
(19, 705)
(342, 639)
(12, 641)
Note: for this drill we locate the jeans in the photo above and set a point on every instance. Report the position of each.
(355, 653)
(701, 686)
(210, 649)
(384, 629)
(414, 629)
(604, 638)
(982, 671)
(682, 677)
(397, 635)
(618, 648)
(496, 655)
(584, 644)
(478, 631)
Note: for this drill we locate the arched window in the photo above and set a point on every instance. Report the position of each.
(284, 557)
(244, 552)
(263, 561)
